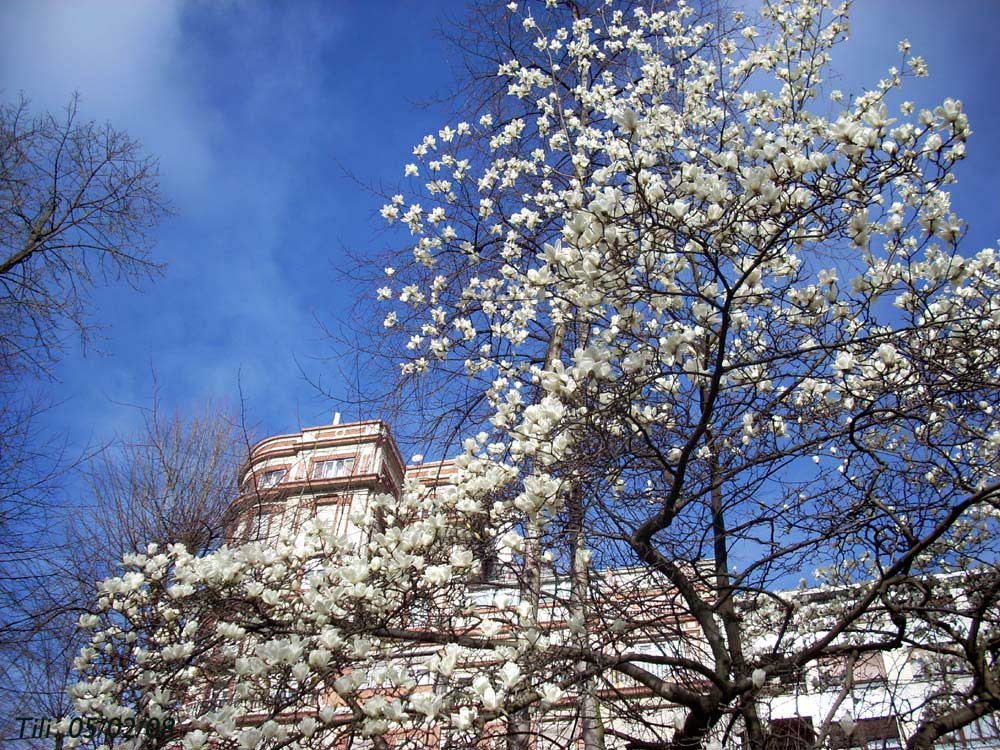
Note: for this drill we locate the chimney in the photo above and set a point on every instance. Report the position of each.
(336, 417)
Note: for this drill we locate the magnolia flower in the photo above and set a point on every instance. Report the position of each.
(551, 694)
(393, 711)
(360, 648)
(490, 628)
(177, 652)
(678, 209)
(438, 575)
(509, 675)
(858, 228)
(512, 541)
(243, 667)
(845, 361)
(482, 687)
(374, 705)
(887, 354)
(319, 658)
(373, 727)
(355, 573)
(428, 704)
(250, 738)
(308, 726)
(464, 719)
(461, 558)
(592, 361)
(757, 677)
(445, 664)
(627, 120)
(88, 621)
(195, 740)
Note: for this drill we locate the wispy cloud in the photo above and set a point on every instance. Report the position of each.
(250, 106)
(127, 61)
(226, 96)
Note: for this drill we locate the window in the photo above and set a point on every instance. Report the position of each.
(259, 527)
(337, 467)
(271, 478)
(882, 732)
(868, 667)
(795, 733)
(788, 674)
(333, 516)
(982, 732)
(268, 522)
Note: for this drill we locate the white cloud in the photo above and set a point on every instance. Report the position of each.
(127, 61)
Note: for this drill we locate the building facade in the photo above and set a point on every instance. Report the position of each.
(328, 472)
(324, 473)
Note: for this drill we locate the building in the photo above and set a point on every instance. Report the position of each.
(323, 473)
(328, 472)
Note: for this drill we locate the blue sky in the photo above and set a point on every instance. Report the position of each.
(251, 106)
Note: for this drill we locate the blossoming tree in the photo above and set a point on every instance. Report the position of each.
(719, 337)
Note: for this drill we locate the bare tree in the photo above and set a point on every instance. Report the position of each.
(170, 481)
(78, 201)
